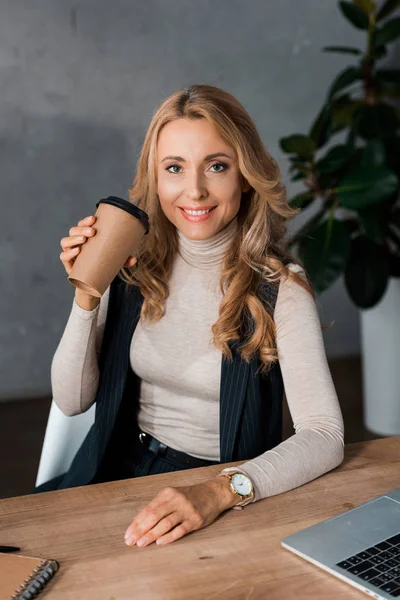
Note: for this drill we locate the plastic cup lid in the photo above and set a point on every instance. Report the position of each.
(128, 207)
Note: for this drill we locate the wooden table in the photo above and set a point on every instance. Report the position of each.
(239, 556)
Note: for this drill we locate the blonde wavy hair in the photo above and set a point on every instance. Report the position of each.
(256, 253)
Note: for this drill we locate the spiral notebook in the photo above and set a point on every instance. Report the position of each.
(24, 577)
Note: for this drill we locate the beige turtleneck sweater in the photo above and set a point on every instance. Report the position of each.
(179, 370)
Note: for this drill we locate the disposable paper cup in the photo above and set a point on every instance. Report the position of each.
(120, 227)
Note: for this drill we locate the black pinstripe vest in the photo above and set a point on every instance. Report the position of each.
(250, 403)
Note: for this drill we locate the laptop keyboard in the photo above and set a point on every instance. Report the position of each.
(379, 565)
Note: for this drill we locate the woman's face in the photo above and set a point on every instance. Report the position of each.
(190, 179)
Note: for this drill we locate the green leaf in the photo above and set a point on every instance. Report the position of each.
(374, 153)
(299, 166)
(302, 200)
(352, 225)
(395, 217)
(388, 75)
(355, 15)
(392, 90)
(355, 160)
(300, 163)
(299, 144)
(392, 146)
(387, 9)
(372, 220)
(377, 121)
(321, 129)
(326, 181)
(298, 176)
(388, 32)
(301, 234)
(379, 52)
(344, 79)
(299, 159)
(394, 235)
(343, 110)
(366, 5)
(367, 272)
(325, 253)
(366, 185)
(335, 158)
(342, 50)
(353, 132)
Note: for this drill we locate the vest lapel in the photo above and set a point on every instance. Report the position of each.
(124, 316)
(233, 387)
(235, 383)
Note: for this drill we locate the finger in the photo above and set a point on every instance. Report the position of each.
(162, 505)
(88, 231)
(68, 258)
(182, 529)
(144, 521)
(130, 262)
(70, 242)
(68, 254)
(87, 221)
(162, 527)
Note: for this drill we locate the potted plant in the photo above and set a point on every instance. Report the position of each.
(355, 231)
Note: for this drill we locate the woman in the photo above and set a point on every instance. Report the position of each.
(190, 350)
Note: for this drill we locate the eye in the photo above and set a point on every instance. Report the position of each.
(170, 167)
(220, 165)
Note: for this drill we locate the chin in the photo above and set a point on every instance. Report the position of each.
(197, 235)
(201, 237)
(201, 232)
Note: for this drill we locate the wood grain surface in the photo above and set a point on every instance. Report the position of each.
(238, 557)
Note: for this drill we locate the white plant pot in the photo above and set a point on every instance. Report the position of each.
(380, 343)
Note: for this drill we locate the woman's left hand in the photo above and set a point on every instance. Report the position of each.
(176, 511)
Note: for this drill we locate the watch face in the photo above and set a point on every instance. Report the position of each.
(241, 484)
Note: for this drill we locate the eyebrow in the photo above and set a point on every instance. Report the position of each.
(208, 157)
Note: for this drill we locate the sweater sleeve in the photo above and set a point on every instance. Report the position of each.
(74, 368)
(318, 443)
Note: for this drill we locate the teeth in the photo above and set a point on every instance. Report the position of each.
(197, 212)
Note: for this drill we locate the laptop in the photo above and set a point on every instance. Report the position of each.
(360, 546)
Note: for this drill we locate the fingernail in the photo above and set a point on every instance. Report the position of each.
(141, 542)
(130, 540)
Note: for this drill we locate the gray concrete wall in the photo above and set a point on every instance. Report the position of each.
(79, 82)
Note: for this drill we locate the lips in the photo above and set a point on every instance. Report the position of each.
(197, 207)
(196, 218)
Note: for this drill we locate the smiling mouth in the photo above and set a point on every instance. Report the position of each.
(196, 213)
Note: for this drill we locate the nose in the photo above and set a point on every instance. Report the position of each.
(196, 187)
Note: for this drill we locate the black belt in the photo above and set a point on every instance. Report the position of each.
(174, 455)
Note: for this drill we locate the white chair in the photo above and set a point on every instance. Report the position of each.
(63, 438)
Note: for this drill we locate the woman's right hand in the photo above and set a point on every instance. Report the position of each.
(78, 235)
(71, 246)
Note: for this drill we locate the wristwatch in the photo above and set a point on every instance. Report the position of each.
(241, 485)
